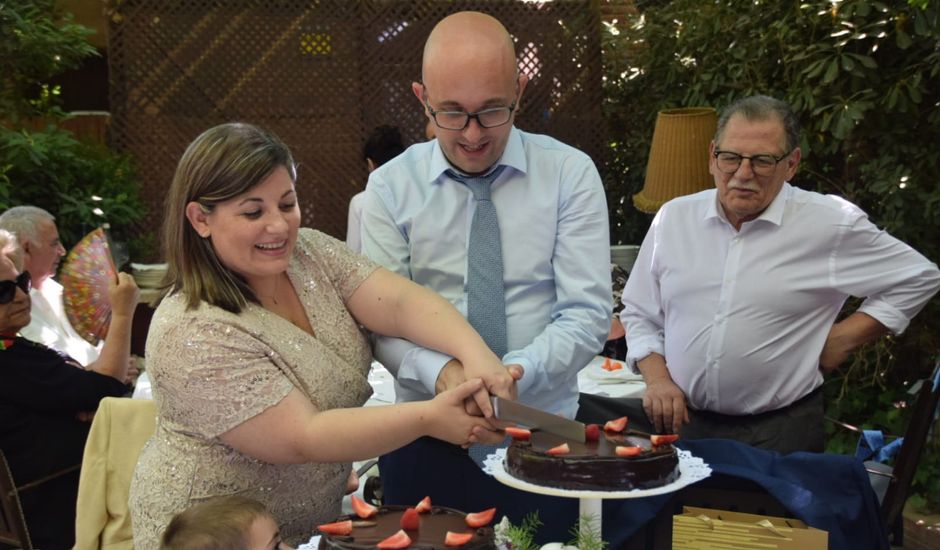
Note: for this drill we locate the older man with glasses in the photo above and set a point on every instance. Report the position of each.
(38, 237)
(731, 307)
(512, 228)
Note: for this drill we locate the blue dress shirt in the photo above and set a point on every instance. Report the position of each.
(556, 249)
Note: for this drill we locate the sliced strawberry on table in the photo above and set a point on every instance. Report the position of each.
(627, 451)
(362, 508)
(479, 519)
(424, 506)
(396, 541)
(562, 449)
(457, 539)
(663, 439)
(409, 520)
(592, 432)
(519, 434)
(616, 425)
(337, 528)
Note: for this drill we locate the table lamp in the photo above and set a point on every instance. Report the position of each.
(678, 159)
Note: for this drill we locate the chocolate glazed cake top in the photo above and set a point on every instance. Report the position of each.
(433, 528)
(593, 465)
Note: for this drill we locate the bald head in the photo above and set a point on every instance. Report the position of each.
(472, 40)
(470, 67)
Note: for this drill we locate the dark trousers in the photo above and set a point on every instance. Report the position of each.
(597, 409)
(430, 467)
(797, 427)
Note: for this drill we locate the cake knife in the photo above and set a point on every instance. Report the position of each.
(530, 417)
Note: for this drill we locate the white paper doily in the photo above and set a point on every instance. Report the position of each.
(691, 469)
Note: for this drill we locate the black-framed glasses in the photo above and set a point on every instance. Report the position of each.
(762, 165)
(8, 288)
(458, 120)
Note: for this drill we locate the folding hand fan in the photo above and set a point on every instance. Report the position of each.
(85, 277)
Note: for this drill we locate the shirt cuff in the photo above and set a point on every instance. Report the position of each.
(885, 314)
(640, 348)
(424, 366)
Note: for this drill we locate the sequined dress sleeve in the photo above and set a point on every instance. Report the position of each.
(212, 370)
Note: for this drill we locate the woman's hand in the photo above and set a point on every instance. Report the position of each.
(448, 419)
(498, 379)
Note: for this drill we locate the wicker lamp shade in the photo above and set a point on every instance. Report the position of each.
(678, 159)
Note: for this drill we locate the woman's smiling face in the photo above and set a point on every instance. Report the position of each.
(254, 233)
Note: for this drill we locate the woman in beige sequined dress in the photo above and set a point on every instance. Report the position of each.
(256, 355)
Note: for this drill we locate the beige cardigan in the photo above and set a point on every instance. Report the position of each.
(119, 431)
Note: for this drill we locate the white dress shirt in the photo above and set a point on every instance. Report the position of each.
(353, 237)
(742, 316)
(556, 253)
(49, 325)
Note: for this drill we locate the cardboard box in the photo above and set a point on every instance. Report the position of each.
(708, 529)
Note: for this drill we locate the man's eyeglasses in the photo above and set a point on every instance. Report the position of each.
(458, 120)
(8, 288)
(762, 165)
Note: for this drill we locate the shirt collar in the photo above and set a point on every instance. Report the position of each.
(513, 157)
(773, 213)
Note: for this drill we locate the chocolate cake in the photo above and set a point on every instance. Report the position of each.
(593, 465)
(433, 528)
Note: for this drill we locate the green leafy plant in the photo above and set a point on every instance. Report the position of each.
(587, 535)
(38, 42)
(84, 185)
(864, 79)
(520, 537)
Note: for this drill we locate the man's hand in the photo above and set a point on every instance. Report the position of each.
(499, 380)
(664, 404)
(450, 377)
(847, 336)
(123, 295)
(616, 329)
(663, 401)
(133, 370)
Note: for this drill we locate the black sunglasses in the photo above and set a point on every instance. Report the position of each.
(8, 288)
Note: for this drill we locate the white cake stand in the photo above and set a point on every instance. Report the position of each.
(691, 470)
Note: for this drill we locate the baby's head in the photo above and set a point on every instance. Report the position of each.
(223, 523)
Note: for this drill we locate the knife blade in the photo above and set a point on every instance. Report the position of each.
(531, 417)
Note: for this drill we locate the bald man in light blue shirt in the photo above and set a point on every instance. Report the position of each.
(553, 219)
(553, 243)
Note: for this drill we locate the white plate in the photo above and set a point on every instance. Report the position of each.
(595, 371)
(691, 470)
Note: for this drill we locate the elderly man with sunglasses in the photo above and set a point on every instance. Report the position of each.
(731, 308)
(509, 226)
(46, 399)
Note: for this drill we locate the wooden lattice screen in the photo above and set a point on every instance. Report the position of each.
(321, 74)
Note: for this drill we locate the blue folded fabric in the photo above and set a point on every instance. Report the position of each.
(826, 491)
(871, 446)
